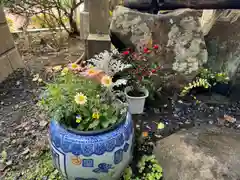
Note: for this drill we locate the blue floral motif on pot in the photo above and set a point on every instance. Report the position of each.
(99, 148)
(118, 156)
(103, 168)
(87, 149)
(110, 145)
(96, 153)
(125, 148)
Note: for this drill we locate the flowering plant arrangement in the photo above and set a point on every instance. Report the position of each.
(139, 74)
(79, 99)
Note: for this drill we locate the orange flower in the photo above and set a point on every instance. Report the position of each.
(92, 72)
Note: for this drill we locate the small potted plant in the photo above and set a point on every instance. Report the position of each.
(208, 81)
(91, 132)
(139, 77)
(221, 84)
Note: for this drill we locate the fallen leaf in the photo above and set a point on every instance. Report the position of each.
(229, 118)
(4, 155)
(220, 121)
(158, 136)
(160, 126)
(145, 134)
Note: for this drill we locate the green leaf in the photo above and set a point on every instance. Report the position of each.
(94, 124)
(113, 120)
(105, 124)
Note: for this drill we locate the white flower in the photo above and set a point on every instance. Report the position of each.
(120, 82)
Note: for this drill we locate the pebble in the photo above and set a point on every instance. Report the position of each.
(43, 123)
(26, 151)
(8, 163)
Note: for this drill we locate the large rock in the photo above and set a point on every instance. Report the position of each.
(182, 45)
(206, 153)
(223, 42)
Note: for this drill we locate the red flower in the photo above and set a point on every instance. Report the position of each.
(145, 50)
(154, 70)
(155, 46)
(148, 52)
(126, 53)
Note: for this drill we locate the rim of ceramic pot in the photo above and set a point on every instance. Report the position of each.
(96, 132)
(144, 90)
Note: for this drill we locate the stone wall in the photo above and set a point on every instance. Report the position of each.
(10, 59)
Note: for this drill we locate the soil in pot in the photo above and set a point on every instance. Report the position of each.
(136, 93)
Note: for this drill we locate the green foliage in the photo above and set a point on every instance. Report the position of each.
(81, 103)
(214, 77)
(206, 79)
(199, 82)
(148, 167)
(47, 21)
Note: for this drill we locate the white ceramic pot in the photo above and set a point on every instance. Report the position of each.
(136, 104)
(92, 155)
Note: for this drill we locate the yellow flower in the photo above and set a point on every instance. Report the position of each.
(106, 81)
(74, 66)
(80, 98)
(95, 115)
(64, 71)
(78, 119)
(110, 13)
(57, 68)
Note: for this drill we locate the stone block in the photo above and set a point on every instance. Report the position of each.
(2, 16)
(84, 25)
(6, 42)
(6, 68)
(223, 43)
(97, 44)
(98, 16)
(200, 153)
(15, 59)
(182, 48)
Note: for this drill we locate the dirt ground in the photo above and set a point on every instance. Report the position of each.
(23, 135)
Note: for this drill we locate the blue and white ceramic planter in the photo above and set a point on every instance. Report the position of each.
(92, 156)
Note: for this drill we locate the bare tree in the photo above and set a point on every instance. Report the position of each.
(55, 10)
